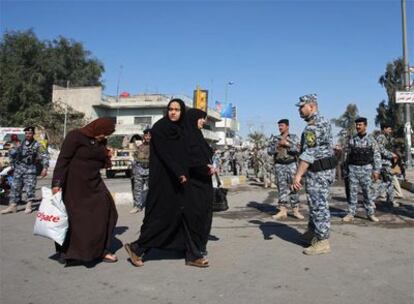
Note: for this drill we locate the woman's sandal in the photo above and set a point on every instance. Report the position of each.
(109, 258)
(201, 262)
(135, 259)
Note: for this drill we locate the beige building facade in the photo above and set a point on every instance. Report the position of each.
(136, 112)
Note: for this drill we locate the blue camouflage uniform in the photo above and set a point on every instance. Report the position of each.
(364, 159)
(140, 175)
(317, 150)
(285, 168)
(385, 145)
(24, 160)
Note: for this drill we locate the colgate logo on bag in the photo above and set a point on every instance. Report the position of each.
(48, 218)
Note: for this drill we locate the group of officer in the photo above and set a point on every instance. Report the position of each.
(312, 159)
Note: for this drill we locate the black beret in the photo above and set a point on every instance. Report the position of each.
(385, 125)
(29, 129)
(283, 121)
(147, 130)
(361, 119)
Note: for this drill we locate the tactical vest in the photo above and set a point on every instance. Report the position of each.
(282, 156)
(142, 155)
(30, 157)
(361, 156)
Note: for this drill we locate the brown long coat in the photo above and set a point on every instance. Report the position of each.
(91, 209)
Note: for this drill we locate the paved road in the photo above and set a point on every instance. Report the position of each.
(253, 260)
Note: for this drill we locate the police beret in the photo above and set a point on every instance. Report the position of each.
(309, 98)
(29, 129)
(361, 119)
(283, 121)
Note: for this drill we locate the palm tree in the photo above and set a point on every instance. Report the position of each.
(258, 139)
(347, 123)
(392, 81)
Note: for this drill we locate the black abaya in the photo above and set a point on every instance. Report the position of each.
(168, 213)
(200, 182)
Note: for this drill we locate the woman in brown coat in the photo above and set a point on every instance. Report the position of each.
(91, 209)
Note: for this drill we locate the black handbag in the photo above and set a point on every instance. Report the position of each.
(220, 197)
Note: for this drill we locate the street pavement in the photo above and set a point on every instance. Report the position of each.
(254, 259)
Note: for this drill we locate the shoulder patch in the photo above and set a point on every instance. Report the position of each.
(310, 138)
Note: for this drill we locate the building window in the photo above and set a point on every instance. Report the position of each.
(144, 121)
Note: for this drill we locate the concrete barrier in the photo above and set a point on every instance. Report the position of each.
(408, 186)
(230, 181)
(125, 198)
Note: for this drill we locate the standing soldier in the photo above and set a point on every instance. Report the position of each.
(266, 168)
(386, 145)
(257, 164)
(24, 158)
(246, 160)
(285, 149)
(140, 173)
(226, 161)
(364, 163)
(238, 156)
(317, 164)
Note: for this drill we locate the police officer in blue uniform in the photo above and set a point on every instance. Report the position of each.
(317, 165)
(285, 148)
(364, 165)
(24, 160)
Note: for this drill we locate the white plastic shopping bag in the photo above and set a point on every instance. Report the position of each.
(52, 219)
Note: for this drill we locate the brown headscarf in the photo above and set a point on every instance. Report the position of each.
(105, 126)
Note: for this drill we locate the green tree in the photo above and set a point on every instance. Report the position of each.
(389, 111)
(258, 139)
(346, 123)
(30, 67)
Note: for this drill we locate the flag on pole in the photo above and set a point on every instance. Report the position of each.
(218, 106)
(227, 111)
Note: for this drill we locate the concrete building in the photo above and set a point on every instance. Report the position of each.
(134, 113)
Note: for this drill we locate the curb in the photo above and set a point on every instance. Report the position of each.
(125, 198)
(229, 181)
(408, 186)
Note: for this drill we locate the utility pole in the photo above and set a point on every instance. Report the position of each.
(406, 78)
(117, 93)
(66, 110)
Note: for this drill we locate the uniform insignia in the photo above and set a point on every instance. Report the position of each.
(310, 138)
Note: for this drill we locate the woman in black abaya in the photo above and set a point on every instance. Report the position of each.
(168, 208)
(200, 171)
